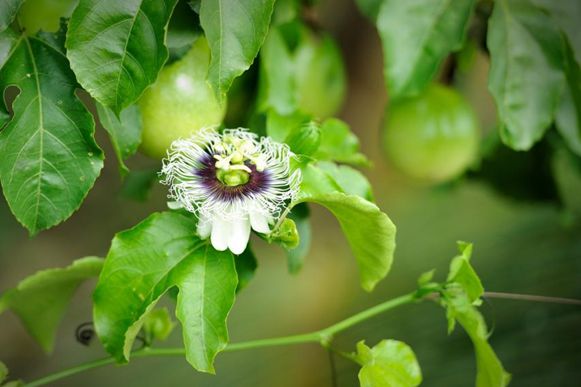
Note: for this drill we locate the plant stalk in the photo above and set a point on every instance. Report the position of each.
(322, 337)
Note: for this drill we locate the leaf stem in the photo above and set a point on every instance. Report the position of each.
(323, 337)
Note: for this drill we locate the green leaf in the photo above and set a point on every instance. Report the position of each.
(416, 37)
(566, 170)
(524, 43)
(158, 325)
(316, 182)
(300, 214)
(426, 278)
(369, 8)
(325, 177)
(124, 131)
(9, 39)
(339, 144)
(390, 363)
(568, 119)
(182, 31)
(490, 371)
(3, 372)
(349, 180)
(8, 11)
(143, 264)
(49, 157)
(305, 139)
(285, 11)
(565, 14)
(280, 126)
(370, 233)
(246, 265)
(235, 30)
(277, 87)
(462, 273)
(117, 48)
(41, 299)
(137, 185)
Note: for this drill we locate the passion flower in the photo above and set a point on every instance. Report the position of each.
(233, 182)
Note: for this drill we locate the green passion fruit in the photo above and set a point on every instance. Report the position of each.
(432, 137)
(180, 102)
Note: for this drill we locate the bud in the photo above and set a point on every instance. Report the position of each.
(304, 140)
(287, 234)
(158, 325)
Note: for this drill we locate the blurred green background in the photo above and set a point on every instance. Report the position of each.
(522, 247)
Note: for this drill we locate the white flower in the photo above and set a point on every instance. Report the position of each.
(233, 182)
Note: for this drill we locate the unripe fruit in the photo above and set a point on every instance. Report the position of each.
(432, 137)
(180, 102)
(44, 15)
(320, 75)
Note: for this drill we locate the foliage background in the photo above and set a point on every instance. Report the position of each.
(519, 247)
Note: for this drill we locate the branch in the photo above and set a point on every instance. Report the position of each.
(323, 337)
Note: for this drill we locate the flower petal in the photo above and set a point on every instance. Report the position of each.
(204, 227)
(259, 222)
(220, 233)
(239, 235)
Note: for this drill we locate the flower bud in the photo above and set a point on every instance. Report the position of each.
(287, 234)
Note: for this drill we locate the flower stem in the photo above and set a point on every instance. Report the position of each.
(323, 337)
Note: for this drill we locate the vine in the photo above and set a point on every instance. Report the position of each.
(232, 105)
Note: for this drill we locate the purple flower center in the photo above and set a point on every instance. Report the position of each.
(258, 182)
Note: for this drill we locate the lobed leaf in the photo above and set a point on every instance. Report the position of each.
(117, 48)
(390, 363)
(124, 131)
(524, 43)
(416, 37)
(145, 262)
(370, 233)
(41, 299)
(49, 157)
(235, 30)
